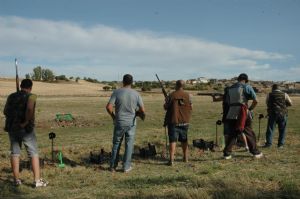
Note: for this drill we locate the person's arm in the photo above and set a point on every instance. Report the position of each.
(267, 99)
(253, 105)
(110, 105)
(29, 115)
(288, 100)
(141, 111)
(110, 110)
(251, 95)
(5, 110)
(167, 103)
(217, 98)
(190, 99)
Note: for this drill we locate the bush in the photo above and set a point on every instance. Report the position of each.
(47, 75)
(106, 88)
(61, 77)
(146, 88)
(91, 80)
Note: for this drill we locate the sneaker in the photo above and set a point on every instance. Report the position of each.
(280, 147)
(246, 149)
(41, 183)
(266, 146)
(111, 169)
(260, 155)
(170, 163)
(227, 157)
(185, 160)
(17, 182)
(127, 170)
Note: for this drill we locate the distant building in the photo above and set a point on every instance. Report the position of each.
(202, 80)
(290, 86)
(192, 81)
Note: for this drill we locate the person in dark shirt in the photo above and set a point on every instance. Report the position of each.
(277, 103)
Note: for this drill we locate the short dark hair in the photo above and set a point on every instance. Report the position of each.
(26, 83)
(243, 76)
(275, 87)
(127, 79)
(179, 84)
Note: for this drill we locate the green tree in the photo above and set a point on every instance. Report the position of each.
(47, 75)
(27, 76)
(37, 73)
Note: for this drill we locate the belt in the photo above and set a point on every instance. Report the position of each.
(182, 124)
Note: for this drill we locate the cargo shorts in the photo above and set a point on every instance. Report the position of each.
(178, 133)
(28, 139)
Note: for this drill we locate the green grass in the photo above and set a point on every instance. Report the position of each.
(206, 175)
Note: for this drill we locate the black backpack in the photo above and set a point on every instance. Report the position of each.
(15, 110)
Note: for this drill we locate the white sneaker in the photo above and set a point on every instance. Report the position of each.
(41, 183)
(260, 155)
(227, 157)
(127, 170)
(18, 182)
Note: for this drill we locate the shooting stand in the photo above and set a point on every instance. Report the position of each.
(52, 135)
(260, 116)
(218, 123)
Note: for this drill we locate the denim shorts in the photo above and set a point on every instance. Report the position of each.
(29, 140)
(177, 133)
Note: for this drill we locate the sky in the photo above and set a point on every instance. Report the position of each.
(176, 39)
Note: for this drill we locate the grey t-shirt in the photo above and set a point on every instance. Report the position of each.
(127, 101)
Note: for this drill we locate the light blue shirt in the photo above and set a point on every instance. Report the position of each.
(248, 91)
(126, 101)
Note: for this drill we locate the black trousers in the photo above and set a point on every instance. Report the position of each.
(233, 134)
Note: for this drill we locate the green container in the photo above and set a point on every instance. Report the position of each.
(64, 117)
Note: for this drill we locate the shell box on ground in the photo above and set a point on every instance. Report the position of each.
(64, 117)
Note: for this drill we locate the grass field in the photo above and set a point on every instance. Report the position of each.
(207, 175)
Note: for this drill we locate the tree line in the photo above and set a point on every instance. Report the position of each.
(47, 75)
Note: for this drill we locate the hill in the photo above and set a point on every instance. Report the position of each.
(80, 88)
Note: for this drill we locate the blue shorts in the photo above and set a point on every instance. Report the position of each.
(29, 140)
(177, 133)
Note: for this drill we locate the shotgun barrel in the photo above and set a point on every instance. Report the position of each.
(210, 94)
(17, 75)
(162, 87)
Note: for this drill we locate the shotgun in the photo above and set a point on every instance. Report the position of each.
(211, 94)
(17, 75)
(162, 87)
(167, 115)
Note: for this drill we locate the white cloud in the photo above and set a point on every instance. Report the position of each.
(105, 52)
